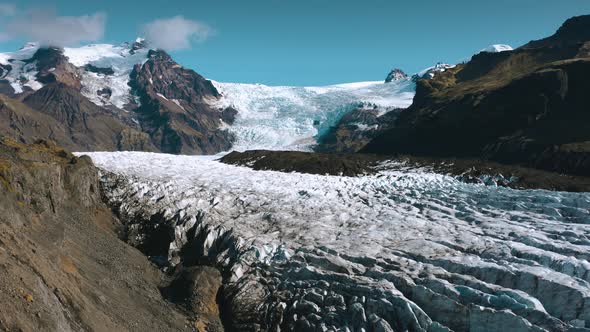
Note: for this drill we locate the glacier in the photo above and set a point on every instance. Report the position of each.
(270, 117)
(288, 117)
(403, 249)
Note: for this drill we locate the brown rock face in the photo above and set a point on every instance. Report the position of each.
(526, 106)
(62, 267)
(175, 108)
(53, 66)
(60, 113)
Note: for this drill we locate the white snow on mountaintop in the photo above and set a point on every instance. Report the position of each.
(497, 48)
(22, 73)
(119, 58)
(288, 117)
(429, 72)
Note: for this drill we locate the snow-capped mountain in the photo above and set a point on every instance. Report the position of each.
(99, 67)
(138, 84)
(149, 101)
(181, 111)
(396, 75)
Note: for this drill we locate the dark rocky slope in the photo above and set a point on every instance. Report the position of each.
(62, 267)
(175, 107)
(175, 114)
(356, 129)
(528, 106)
(88, 127)
(358, 164)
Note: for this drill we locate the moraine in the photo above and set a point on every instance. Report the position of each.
(398, 250)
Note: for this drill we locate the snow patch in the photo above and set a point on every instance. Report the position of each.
(119, 58)
(22, 74)
(497, 48)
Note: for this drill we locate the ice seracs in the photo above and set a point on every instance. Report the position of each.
(396, 75)
(289, 117)
(402, 250)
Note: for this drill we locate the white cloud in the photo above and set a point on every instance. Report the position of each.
(51, 30)
(175, 33)
(7, 9)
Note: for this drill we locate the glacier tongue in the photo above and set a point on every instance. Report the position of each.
(399, 251)
(285, 117)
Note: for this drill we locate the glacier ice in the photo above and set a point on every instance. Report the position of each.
(404, 250)
(288, 117)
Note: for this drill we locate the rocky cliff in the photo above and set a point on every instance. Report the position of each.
(356, 129)
(62, 267)
(525, 106)
(175, 107)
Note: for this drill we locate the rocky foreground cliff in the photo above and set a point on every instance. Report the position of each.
(62, 265)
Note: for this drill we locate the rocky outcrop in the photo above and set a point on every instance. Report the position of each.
(305, 162)
(526, 106)
(466, 170)
(62, 267)
(429, 73)
(176, 107)
(396, 75)
(356, 129)
(99, 70)
(53, 66)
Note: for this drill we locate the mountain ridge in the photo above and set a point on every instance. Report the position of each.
(525, 106)
(94, 93)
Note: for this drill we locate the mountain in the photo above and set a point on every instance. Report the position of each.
(526, 106)
(129, 97)
(396, 75)
(175, 107)
(106, 97)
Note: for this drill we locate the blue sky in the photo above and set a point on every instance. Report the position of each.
(317, 42)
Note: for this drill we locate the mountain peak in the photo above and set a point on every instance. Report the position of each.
(140, 43)
(575, 30)
(396, 75)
